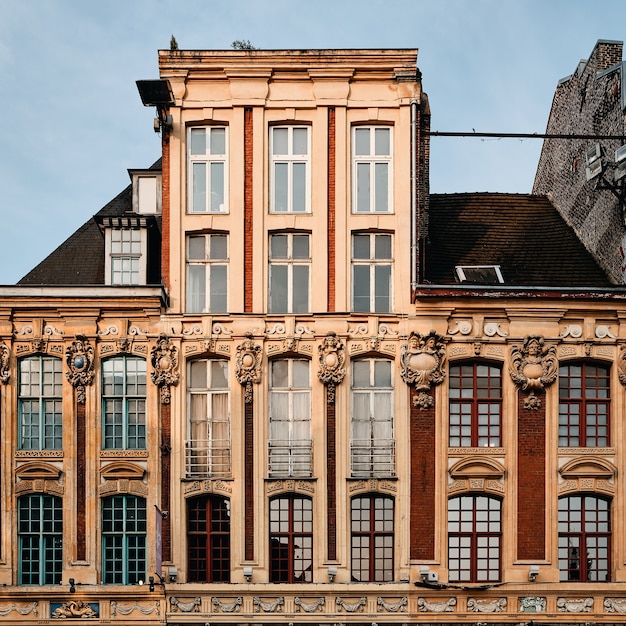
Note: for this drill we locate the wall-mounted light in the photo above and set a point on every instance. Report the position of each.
(72, 585)
(247, 574)
(332, 572)
(424, 571)
(172, 574)
(533, 572)
(597, 163)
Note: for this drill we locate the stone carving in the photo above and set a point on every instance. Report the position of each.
(79, 358)
(228, 607)
(533, 366)
(220, 329)
(603, 331)
(422, 363)
(392, 607)
(74, 609)
(4, 363)
(350, 607)
(309, 606)
(462, 326)
(127, 609)
(332, 360)
(248, 369)
(573, 330)
(621, 365)
(574, 605)
(22, 610)
(164, 358)
(493, 328)
(484, 606)
(185, 607)
(532, 604)
(615, 605)
(268, 606)
(445, 606)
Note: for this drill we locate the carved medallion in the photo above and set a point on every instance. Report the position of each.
(165, 363)
(422, 361)
(79, 358)
(534, 367)
(332, 360)
(248, 369)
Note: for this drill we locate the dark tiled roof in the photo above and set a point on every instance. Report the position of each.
(523, 234)
(79, 260)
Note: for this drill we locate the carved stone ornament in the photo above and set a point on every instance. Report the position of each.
(332, 360)
(79, 358)
(75, 609)
(4, 363)
(423, 361)
(533, 367)
(621, 365)
(248, 366)
(165, 363)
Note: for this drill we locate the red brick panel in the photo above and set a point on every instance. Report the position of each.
(166, 471)
(248, 209)
(249, 482)
(165, 213)
(81, 487)
(331, 473)
(331, 208)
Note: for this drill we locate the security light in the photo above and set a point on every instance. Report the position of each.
(594, 169)
(593, 154)
(620, 153)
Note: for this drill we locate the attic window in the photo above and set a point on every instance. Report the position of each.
(146, 191)
(479, 274)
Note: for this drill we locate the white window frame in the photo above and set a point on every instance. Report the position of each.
(209, 263)
(373, 263)
(289, 262)
(208, 159)
(290, 454)
(373, 455)
(291, 160)
(117, 252)
(370, 163)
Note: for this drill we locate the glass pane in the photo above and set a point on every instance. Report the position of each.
(382, 247)
(219, 281)
(361, 374)
(219, 375)
(217, 187)
(281, 195)
(197, 374)
(301, 374)
(278, 246)
(198, 141)
(300, 140)
(300, 289)
(196, 288)
(382, 374)
(218, 247)
(381, 140)
(361, 247)
(199, 187)
(361, 288)
(382, 187)
(300, 247)
(279, 372)
(280, 141)
(278, 289)
(218, 141)
(299, 188)
(382, 293)
(362, 141)
(363, 187)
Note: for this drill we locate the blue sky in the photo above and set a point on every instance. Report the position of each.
(73, 122)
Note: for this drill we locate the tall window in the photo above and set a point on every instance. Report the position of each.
(40, 403)
(290, 418)
(208, 171)
(124, 403)
(40, 539)
(208, 445)
(584, 403)
(372, 529)
(290, 264)
(123, 540)
(475, 405)
(474, 539)
(372, 443)
(371, 169)
(585, 538)
(371, 273)
(208, 539)
(290, 178)
(207, 273)
(291, 540)
(126, 253)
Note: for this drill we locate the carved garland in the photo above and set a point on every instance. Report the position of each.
(422, 365)
(79, 357)
(332, 360)
(165, 363)
(534, 366)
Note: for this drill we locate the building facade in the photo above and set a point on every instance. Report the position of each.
(274, 380)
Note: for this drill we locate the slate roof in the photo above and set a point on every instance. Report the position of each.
(79, 260)
(524, 234)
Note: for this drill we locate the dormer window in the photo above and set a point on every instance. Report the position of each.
(146, 191)
(479, 274)
(126, 250)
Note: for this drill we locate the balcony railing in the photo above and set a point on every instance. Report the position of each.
(290, 459)
(206, 458)
(372, 458)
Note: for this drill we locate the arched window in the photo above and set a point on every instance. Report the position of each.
(372, 443)
(124, 403)
(474, 538)
(40, 539)
(123, 540)
(584, 538)
(291, 539)
(475, 405)
(290, 418)
(40, 403)
(208, 410)
(584, 405)
(372, 538)
(208, 539)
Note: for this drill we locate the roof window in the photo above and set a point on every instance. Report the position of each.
(479, 274)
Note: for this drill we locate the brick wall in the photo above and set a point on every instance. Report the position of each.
(586, 103)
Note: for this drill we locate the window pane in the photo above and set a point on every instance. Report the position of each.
(219, 281)
(218, 140)
(300, 289)
(382, 187)
(363, 187)
(382, 145)
(199, 187)
(217, 187)
(281, 187)
(361, 288)
(278, 246)
(278, 289)
(219, 244)
(198, 141)
(300, 140)
(280, 141)
(382, 293)
(382, 249)
(301, 374)
(361, 246)
(196, 288)
(299, 188)
(196, 248)
(300, 247)
(362, 141)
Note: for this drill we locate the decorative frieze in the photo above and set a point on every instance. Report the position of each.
(574, 605)
(486, 606)
(268, 605)
(185, 606)
(21, 608)
(392, 605)
(309, 605)
(164, 357)
(4, 363)
(145, 608)
(532, 604)
(443, 606)
(615, 605)
(350, 605)
(76, 609)
(227, 605)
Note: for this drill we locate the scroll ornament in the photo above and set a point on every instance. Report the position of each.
(4, 363)
(79, 357)
(248, 366)
(332, 361)
(422, 364)
(534, 367)
(164, 358)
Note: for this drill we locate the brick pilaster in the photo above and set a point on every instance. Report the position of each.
(166, 477)
(331, 484)
(81, 486)
(332, 156)
(248, 208)
(249, 481)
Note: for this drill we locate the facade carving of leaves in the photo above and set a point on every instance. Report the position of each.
(248, 369)
(185, 607)
(164, 357)
(445, 606)
(79, 357)
(309, 606)
(332, 364)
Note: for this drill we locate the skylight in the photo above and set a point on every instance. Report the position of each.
(479, 274)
